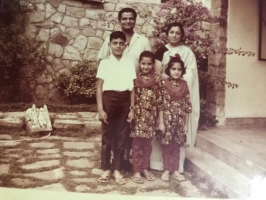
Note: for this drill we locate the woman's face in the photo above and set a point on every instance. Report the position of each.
(174, 36)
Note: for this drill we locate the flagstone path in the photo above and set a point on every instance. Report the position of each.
(62, 163)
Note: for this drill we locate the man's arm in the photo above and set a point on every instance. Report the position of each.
(104, 51)
(102, 115)
(158, 66)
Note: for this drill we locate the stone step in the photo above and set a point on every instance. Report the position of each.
(78, 120)
(68, 124)
(11, 122)
(232, 153)
(224, 178)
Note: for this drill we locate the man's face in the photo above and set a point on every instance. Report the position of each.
(127, 21)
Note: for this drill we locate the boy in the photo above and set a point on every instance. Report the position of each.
(115, 102)
(136, 44)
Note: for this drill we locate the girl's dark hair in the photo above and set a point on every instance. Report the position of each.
(131, 10)
(147, 54)
(172, 61)
(118, 34)
(176, 24)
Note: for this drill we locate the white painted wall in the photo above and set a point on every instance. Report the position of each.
(249, 100)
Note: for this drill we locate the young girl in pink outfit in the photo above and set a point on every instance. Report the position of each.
(144, 123)
(174, 107)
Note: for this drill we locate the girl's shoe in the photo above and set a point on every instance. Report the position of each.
(165, 177)
(178, 177)
(137, 179)
(149, 176)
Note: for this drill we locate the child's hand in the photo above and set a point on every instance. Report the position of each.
(102, 116)
(158, 76)
(185, 130)
(130, 115)
(161, 127)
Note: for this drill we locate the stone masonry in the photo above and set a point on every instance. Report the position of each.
(217, 61)
(74, 30)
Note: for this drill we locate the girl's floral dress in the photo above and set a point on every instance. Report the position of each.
(145, 119)
(173, 114)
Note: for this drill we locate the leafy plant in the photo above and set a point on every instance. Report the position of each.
(80, 83)
(17, 51)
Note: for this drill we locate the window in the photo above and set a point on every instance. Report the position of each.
(262, 30)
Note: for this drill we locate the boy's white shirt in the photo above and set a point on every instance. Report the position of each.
(137, 45)
(117, 75)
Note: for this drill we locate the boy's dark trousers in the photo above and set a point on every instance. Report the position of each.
(117, 107)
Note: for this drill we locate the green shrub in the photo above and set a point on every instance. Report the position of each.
(17, 51)
(80, 83)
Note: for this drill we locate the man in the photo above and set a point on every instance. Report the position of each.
(136, 44)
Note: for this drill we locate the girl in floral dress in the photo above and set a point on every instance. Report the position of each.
(174, 107)
(144, 123)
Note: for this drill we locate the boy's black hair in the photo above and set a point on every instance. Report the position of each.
(131, 10)
(176, 24)
(147, 54)
(172, 61)
(118, 34)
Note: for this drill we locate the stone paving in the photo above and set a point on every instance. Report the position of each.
(62, 163)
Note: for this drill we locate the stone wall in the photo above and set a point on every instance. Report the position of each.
(74, 30)
(217, 62)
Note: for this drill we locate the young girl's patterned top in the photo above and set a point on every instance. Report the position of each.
(173, 113)
(145, 119)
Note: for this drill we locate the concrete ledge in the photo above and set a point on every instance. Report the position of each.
(231, 153)
(246, 122)
(223, 177)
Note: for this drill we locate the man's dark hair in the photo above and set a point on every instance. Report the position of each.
(131, 10)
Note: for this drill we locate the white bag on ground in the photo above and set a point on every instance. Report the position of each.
(38, 120)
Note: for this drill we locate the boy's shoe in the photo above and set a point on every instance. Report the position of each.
(119, 179)
(104, 178)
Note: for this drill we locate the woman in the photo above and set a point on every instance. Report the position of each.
(175, 35)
